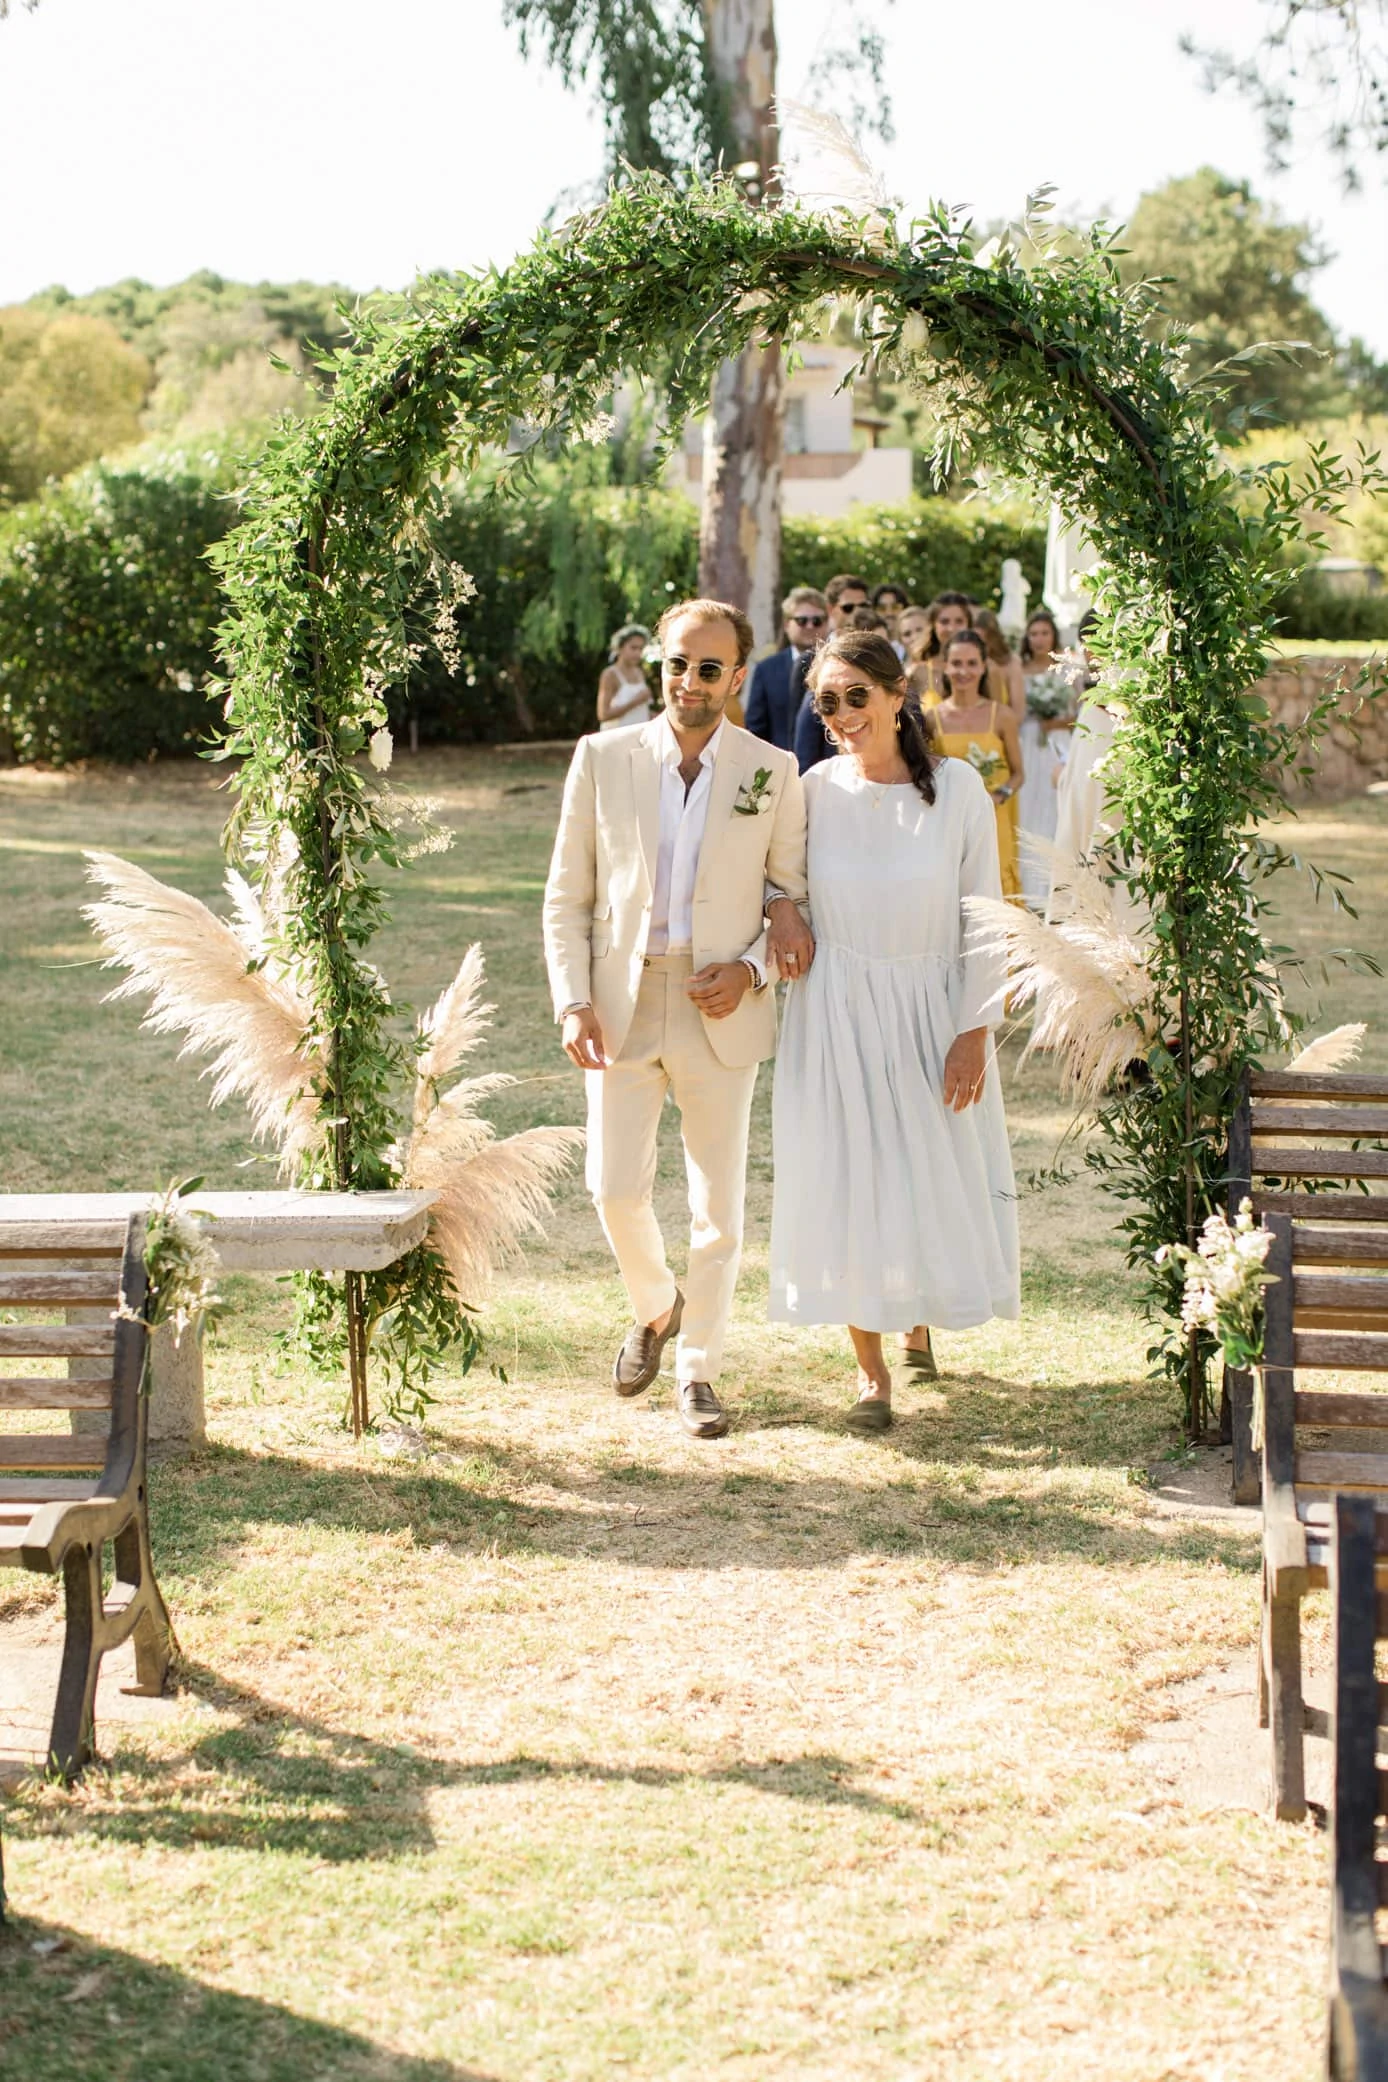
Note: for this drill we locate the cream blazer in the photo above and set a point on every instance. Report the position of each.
(598, 897)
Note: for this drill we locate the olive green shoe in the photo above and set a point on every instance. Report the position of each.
(869, 1415)
(920, 1362)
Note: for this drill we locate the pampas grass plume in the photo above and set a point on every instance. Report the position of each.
(1330, 1051)
(205, 980)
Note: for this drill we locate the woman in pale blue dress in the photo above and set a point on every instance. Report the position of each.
(894, 1204)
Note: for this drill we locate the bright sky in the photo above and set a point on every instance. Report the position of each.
(361, 142)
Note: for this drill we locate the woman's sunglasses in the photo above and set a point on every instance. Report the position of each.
(708, 670)
(827, 705)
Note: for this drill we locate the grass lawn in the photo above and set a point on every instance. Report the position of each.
(579, 1747)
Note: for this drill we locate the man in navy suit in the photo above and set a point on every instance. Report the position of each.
(847, 596)
(777, 683)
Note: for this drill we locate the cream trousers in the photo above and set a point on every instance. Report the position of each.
(667, 1050)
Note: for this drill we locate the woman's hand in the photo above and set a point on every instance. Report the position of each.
(965, 1068)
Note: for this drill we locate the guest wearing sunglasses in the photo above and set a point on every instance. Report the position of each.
(894, 1206)
(776, 685)
(671, 903)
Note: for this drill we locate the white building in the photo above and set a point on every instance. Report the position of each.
(822, 471)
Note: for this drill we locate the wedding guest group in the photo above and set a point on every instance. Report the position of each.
(1015, 730)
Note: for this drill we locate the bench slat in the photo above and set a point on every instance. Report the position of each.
(1335, 1084)
(1345, 1351)
(103, 1237)
(1342, 1470)
(1322, 1207)
(1339, 1290)
(1339, 1246)
(57, 1340)
(44, 1289)
(54, 1392)
(82, 1450)
(46, 1489)
(1320, 1163)
(1367, 1412)
(1318, 1121)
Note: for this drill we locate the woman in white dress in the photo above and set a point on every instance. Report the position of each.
(1043, 751)
(894, 1203)
(624, 692)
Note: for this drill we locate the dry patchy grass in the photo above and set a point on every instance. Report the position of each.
(578, 1747)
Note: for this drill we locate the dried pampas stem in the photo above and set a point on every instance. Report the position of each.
(1088, 982)
(1330, 1051)
(487, 1194)
(205, 981)
(826, 170)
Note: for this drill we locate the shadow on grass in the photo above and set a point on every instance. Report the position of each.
(710, 1514)
(289, 1784)
(86, 2012)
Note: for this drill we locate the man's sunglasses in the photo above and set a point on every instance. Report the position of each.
(708, 670)
(808, 621)
(827, 705)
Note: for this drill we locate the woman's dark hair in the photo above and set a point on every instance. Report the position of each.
(871, 653)
(897, 593)
(932, 646)
(1089, 622)
(1042, 614)
(980, 644)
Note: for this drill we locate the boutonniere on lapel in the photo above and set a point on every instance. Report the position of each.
(755, 796)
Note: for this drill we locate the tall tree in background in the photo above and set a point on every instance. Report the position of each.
(684, 86)
(1322, 63)
(1236, 274)
(740, 527)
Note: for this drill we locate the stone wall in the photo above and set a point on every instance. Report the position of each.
(1354, 752)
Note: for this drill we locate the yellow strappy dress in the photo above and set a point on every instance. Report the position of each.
(985, 752)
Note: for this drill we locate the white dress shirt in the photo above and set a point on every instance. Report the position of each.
(682, 819)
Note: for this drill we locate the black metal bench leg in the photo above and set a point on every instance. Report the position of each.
(152, 1632)
(1288, 1712)
(70, 1743)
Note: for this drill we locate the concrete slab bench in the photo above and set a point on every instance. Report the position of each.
(250, 1232)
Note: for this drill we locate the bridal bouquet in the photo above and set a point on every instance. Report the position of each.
(1049, 695)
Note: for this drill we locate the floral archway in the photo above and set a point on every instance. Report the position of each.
(1048, 370)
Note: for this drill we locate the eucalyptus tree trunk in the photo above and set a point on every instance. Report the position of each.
(740, 527)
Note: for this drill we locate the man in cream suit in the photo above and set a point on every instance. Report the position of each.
(672, 901)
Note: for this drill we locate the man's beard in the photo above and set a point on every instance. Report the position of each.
(692, 718)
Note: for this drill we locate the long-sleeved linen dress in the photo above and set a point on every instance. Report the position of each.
(889, 1209)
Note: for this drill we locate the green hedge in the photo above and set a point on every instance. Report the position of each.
(559, 569)
(1309, 611)
(108, 605)
(108, 608)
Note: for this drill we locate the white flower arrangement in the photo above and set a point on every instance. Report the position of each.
(987, 765)
(181, 1268)
(1224, 1283)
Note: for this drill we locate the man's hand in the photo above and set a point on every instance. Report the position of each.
(582, 1039)
(965, 1067)
(789, 942)
(720, 988)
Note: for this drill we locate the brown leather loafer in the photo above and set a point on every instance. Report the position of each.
(701, 1413)
(638, 1362)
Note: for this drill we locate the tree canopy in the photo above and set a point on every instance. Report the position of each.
(1236, 275)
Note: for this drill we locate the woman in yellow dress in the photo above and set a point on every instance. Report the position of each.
(970, 724)
(947, 613)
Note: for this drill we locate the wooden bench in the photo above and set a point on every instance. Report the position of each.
(1358, 2036)
(64, 1497)
(1291, 1132)
(1315, 1442)
(250, 1232)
